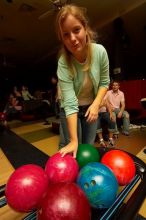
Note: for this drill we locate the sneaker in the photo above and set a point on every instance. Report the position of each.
(125, 133)
(115, 136)
(116, 133)
(46, 123)
(111, 142)
(102, 143)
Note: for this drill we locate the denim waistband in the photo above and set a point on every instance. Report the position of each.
(83, 107)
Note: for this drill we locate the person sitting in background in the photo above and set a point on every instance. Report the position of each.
(36, 105)
(17, 94)
(117, 101)
(45, 107)
(12, 108)
(26, 94)
(105, 115)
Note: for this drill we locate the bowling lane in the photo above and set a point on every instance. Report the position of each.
(29, 128)
(6, 169)
(19, 151)
(6, 213)
(48, 145)
(15, 148)
(16, 152)
(142, 156)
(39, 136)
(142, 210)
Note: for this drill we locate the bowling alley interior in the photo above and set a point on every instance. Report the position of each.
(30, 136)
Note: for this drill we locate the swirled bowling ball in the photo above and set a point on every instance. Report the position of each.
(61, 169)
(65, 201)
(26, 188)
(121, 164)
(99, 184)
(87, 153)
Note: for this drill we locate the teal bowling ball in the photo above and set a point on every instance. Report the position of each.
(99, 184)
(87, 153)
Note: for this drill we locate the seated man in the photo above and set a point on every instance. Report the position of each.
(105, 115)
(117, 101)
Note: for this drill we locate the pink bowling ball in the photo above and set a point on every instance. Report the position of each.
(26, 188)
(61, 169)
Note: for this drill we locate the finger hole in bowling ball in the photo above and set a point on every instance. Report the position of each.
(86, 185)
(93, 182)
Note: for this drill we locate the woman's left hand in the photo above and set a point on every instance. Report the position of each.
(92, 113)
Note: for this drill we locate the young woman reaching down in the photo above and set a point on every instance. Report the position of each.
(83, 76)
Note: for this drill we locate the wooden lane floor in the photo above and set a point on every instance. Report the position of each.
(15, 148)
(14, 153)
(142, 156)
(40, 136)
(6, 169)
(19, 151)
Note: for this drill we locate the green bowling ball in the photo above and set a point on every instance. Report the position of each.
(87, 153)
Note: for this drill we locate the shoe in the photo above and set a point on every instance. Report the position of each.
(116, 133)
(102, 143)
(111, 142)
(46, 123)
(115, 136)
(125, 133)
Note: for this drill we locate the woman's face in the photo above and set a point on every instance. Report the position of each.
(74, 36)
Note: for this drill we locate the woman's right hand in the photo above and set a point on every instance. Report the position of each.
(70, 148)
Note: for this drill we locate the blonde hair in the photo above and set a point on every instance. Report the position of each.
(80, 14)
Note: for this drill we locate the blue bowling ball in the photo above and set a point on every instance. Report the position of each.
(99, 184)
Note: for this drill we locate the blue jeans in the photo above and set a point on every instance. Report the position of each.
(105, 117)
(86, 131)
(125, 118)
(63, 129)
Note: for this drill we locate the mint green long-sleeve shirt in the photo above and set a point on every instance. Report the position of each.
(71, 86)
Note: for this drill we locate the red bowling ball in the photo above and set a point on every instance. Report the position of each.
(61, 169)
(121, 164)
(26, 188)
(65, 201)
